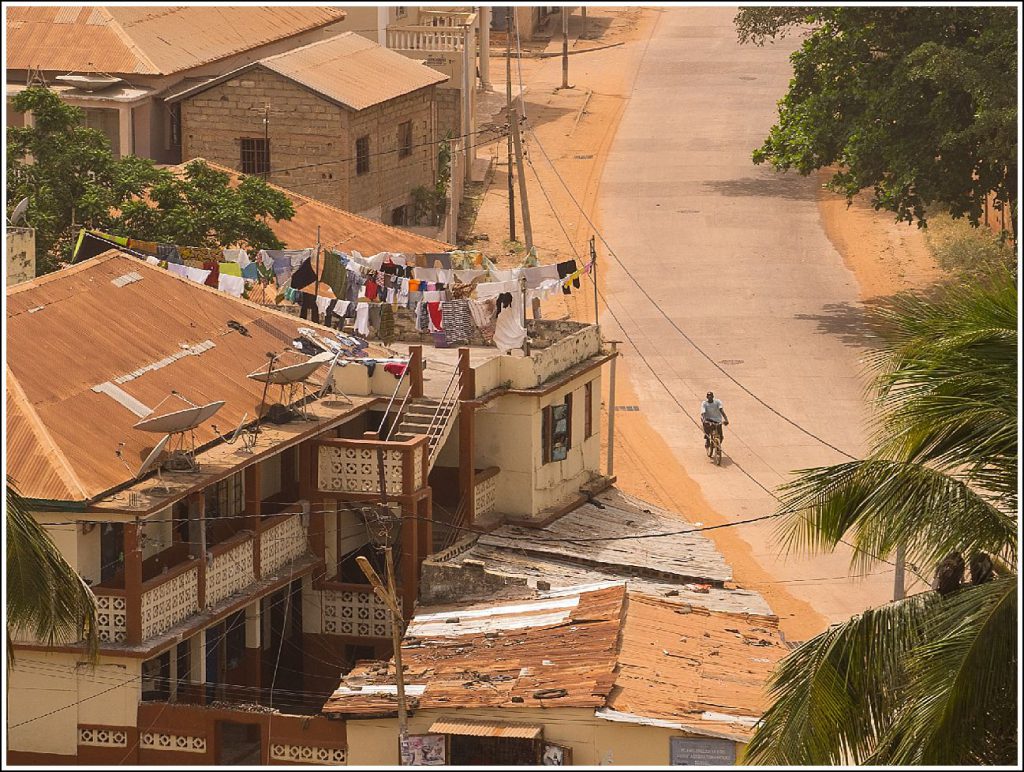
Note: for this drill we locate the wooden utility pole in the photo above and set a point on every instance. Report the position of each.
(508, 113)
(611, 411)
(389, 597)
(565, 46)
(898, 588)
(593, 276)
(524, 201)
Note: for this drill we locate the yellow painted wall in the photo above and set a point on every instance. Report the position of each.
(594, 741)
(157, 533)
(42, 683)
(270, 476)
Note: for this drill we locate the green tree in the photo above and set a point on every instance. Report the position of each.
(930, 679)
(45, 596)
(917, 103)
(201, 208)
(72, 179)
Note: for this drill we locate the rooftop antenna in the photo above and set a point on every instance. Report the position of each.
(149, 463)
(263, 400)
(246, 446)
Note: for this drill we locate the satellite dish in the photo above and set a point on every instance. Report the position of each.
(292, 373)
(154, 454)
(179, 420)
(18, 215)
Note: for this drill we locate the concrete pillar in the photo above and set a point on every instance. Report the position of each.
(484, 54)
(125, 132)
(197, 660)
(133, 581)
(382, 25)
(253, 640)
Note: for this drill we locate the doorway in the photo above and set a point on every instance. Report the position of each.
(238, 744)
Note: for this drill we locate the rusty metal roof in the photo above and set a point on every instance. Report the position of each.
(148, 40)
(76, 329)
(339, 229)
(486, 728)
(702, 671)
(556, 651)
(347, 69)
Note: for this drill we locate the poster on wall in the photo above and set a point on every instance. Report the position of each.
(700, 752)
(423, 750)
(556, 755)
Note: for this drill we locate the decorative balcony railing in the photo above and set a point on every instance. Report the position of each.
(354, 609)
(423, 38)
(167, 601)
(281, 543)
(112, 616)
(353, 466)
(485, 493)
(231, 568)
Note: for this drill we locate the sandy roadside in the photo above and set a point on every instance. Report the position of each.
(575, 128)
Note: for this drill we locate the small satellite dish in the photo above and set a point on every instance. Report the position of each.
(18, 215)
(292, 373)
(179, 420)
(154, 454)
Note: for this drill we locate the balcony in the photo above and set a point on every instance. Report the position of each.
(354, 466)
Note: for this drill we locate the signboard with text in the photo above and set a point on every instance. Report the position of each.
(701, 752)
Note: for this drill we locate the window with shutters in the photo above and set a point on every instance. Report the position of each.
(255, 155)
(588, 410)
(363, 155)
(405, 139)
(557, 430)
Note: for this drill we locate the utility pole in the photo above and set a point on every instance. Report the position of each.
(266, 141)
(389, 598)
(565, 46)
(508, 113)
(315, 313)
(524, 202)
(611, 410)
(593, 275)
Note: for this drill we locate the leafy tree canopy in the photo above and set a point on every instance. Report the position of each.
(917, 103)
(71, 178)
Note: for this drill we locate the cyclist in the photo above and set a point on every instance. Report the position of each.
(713, 417)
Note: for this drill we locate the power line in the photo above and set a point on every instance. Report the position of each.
(668, 318)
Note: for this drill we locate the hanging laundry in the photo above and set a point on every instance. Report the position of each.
(232, 269)
(509, 332)
(363, 319)
(484, 313)
(456, 321)
(491, 289)
(434, 313)
(251, 272)
(370, 290)
(233, 285)
(239, 256)
(565, 269)
(536, 276)
(168, 252)
(395, 369)
(422, 317)
(178, 270)
(195, 274)
(375, 316)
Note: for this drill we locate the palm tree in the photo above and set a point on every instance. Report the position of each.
(930, 679)
(45, 596)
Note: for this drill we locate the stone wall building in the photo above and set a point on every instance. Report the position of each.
(344, 121)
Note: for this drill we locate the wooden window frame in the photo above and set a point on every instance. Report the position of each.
(254, 156)
(363, 155)
(548, 429)
(405, 139)
(588, 410)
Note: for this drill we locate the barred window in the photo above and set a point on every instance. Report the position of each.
(405, 139)
(255, 156)
(363, 155)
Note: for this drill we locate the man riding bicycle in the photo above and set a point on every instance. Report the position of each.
(713, 417)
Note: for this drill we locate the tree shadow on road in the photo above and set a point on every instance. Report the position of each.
(786, 186)
(847, 321)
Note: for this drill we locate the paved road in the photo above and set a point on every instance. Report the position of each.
(737, 257)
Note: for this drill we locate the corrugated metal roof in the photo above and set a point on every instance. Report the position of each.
(485, 728)
(75, 329)
(704, 671)
(347, 69)
(568, 662)
(148, 40)
(338, 229)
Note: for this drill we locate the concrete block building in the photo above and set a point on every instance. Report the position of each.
(120, 63)
(344, 121)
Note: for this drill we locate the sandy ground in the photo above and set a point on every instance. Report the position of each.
(575, 128)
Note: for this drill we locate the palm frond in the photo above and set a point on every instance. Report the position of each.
(834, 694)
(961, 705)
(45, 596)
(880, 505)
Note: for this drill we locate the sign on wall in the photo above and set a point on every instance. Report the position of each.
(423, 750)
(556, 755)
(694, 752)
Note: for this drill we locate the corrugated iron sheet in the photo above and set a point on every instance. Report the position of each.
(338, 229)
(354, 71)
(148, 40)
(566, 664)
(485, 728)
(702, 669)
(87, 331)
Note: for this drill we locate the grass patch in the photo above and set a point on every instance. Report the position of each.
(960, 247)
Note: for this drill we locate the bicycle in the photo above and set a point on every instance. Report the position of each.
(714, 441)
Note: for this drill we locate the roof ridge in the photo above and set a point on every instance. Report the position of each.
(127, 39)
(62, 468)
(346, 34)
(46, 278)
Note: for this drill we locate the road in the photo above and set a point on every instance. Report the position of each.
(736, 257)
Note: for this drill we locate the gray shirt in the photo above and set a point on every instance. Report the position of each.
(712, 411)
